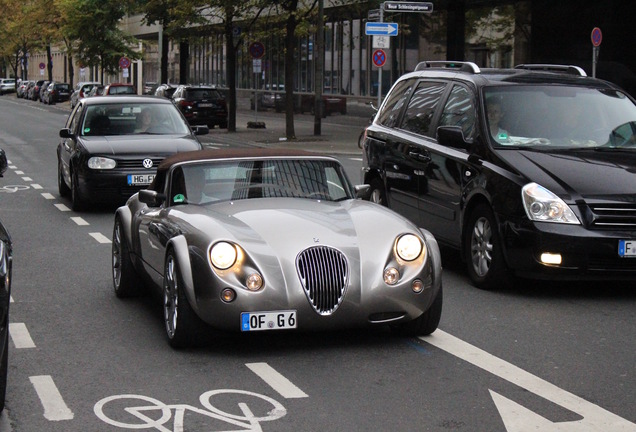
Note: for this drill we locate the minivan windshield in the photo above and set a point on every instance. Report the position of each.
(552, 116)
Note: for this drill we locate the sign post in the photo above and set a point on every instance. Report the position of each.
(257, 51)
(597, 38)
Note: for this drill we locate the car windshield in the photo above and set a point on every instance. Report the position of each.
(546, 117)
(133, 118)
(209, 182)
(121, 90)
(198, 94)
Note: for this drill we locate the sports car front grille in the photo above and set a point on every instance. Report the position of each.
(613, 216)
(324, 274)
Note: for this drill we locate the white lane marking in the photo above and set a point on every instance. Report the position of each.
(101, 238)
(20, 336)
(80, 221)
(19, 172)
(54, 407)
(10, 299)
(36, 186)
(595, 418)
(278, 382)
(27, 179)
(62, 207)
(13, 167)
(48, 196)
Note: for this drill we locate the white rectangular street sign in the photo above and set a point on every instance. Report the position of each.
(381, 42)
(399, 6)
(257, 65)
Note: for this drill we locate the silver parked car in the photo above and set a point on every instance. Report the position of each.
(258, 240)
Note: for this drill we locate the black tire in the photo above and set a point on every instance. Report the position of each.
(182, 325)
(4, 366)
(377, 194)
(62, 187)
(482, 250)
(77, 203)
(126, 282)
(426, 323)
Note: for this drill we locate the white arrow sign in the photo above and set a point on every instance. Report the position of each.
(517, 418)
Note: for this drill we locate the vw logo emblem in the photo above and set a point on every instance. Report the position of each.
(147, 163)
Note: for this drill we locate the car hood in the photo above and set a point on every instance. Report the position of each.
(587, 174)
(285, 226)
(128, 144)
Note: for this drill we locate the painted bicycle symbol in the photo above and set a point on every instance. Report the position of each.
(13, 188)
(148, 413)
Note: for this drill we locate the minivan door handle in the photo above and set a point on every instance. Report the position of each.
(422, 157)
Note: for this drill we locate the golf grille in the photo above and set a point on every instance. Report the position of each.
(324, 274)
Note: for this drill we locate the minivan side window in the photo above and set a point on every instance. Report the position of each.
(419, 114)
(459, 111)
(390, 112)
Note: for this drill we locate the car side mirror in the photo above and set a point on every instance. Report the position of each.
(362, 191)
(151, 198)
(200, 130)
(66, 133)
(452, 136)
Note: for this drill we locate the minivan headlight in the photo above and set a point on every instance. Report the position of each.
(543, 206)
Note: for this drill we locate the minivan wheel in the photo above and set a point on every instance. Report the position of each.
(482, 250)
(377, 193)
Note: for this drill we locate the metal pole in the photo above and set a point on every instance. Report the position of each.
(380, 68)
(319, 55)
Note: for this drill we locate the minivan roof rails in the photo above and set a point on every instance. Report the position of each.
(462, 66)
(568, 69)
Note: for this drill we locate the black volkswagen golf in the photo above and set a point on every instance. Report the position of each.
(528, 171)
(110, 146)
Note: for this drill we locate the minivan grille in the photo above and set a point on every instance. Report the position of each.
(613, 216)
(324, 274)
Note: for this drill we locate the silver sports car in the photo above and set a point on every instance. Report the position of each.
(252, 240)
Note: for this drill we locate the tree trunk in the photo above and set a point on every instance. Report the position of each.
(290, 45)
(230, 72)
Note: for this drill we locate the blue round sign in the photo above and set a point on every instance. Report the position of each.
(597, 36)
(257, 50)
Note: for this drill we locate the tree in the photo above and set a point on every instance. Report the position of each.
(17, 38)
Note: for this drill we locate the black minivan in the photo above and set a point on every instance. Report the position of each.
(529, 171)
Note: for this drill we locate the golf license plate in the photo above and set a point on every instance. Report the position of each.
(627, 248)
(140, 179)
(274, 320)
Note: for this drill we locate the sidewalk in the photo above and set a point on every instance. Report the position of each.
(339, 133)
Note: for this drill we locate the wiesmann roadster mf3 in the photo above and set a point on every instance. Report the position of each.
(253, 240)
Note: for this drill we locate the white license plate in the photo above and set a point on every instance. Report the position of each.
(205, 105)
(140, 179)
(277, 320)
(627, 248)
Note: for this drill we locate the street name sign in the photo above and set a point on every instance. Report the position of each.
(398, 6)
(373, 15)
(381, 29)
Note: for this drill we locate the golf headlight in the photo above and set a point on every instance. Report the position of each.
(97, 162)
(223, 255)
(542, 205)
(408, 247)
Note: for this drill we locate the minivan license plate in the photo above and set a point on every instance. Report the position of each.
(627, 248)
(140, 179)
(277, 320)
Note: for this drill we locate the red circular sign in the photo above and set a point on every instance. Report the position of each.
(257, 50)
(597, 36)
(379, 57)
(42, 65)
(124, 62)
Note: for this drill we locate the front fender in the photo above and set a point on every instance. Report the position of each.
(124, 214)
(435, 257)
(182, 254)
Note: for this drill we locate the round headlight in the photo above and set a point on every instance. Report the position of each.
(223, 255)
(408, 247)
(254, 282)
(97, 162)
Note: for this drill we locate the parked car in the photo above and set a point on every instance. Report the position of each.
(97, 90)
(264, 239)
(81, 90)
(43, 88)
(22, 89)
(528, 171)
(330, 104)
(104, 155)
(268, 96)
(6, 262)
(166, 90)
(201, 105)
(57, 92)
(119, 89)
(7, 85)
(33, 92)
(150, 87)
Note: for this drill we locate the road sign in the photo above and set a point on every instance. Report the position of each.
(597, 36)
(373, 15)
(381, 29)
(381, 42)
(379, 58)
(398, 6)
(257, 50)
(42, 66)
(124, 62)
(257, 65)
